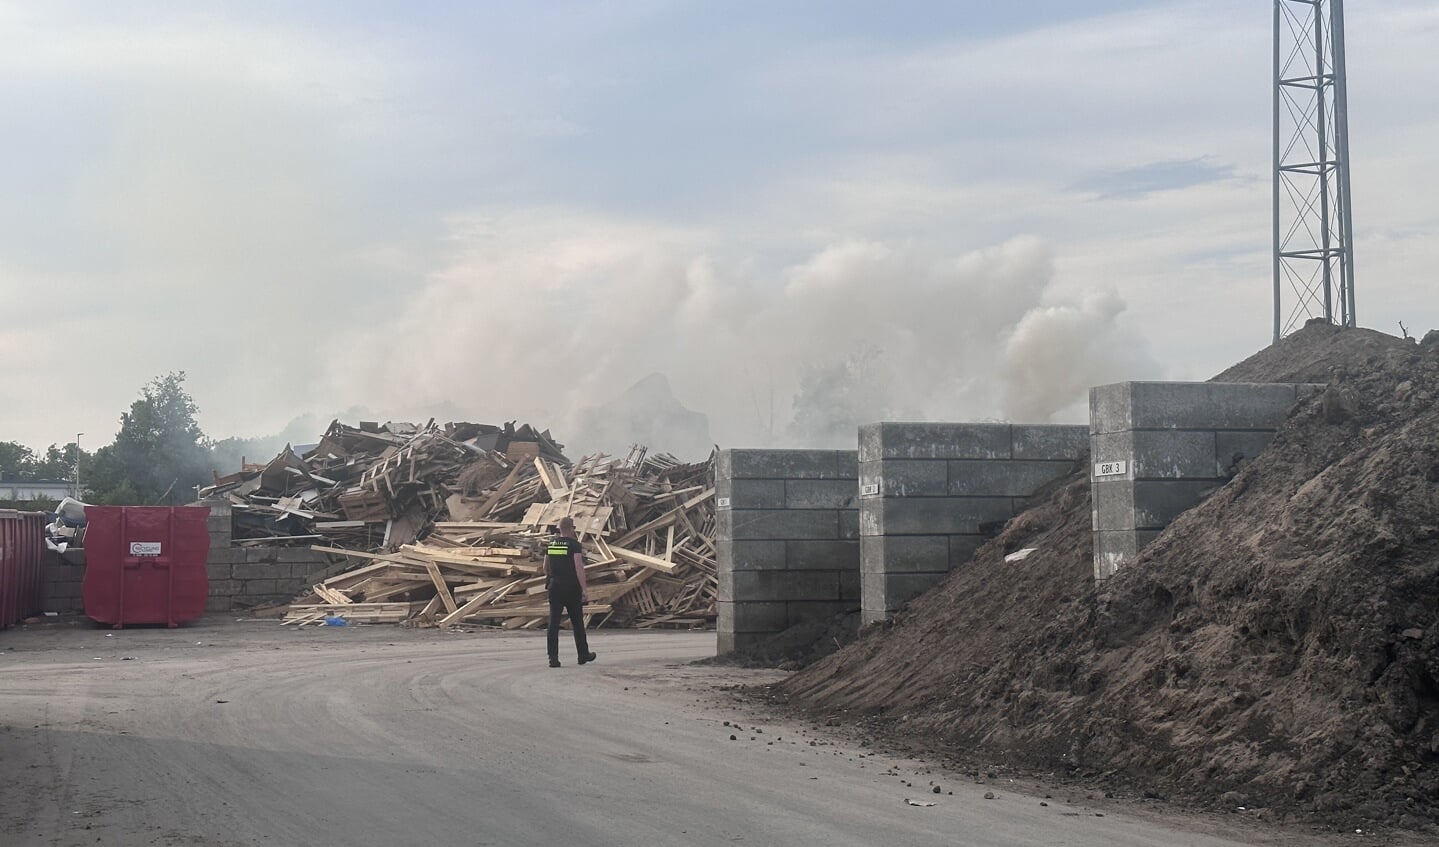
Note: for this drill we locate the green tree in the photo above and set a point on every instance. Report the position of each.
(16, 461)
(158, 456)
(59, 462)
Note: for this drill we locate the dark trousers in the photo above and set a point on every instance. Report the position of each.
(566, 600)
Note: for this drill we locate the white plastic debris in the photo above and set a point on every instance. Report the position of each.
(71, 509)
(1020, 555)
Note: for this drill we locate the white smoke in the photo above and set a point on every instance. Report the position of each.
(1056, 353)
(542, 315)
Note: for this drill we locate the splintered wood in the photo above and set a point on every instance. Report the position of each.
(448, 526)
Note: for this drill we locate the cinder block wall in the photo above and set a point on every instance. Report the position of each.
(244, 577)
(787, 540)
(1158, 448)
(927, 490)
(60, 583)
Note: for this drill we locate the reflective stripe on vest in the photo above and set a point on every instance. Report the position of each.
(559, 549)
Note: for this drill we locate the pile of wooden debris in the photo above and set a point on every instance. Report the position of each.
(448, 525)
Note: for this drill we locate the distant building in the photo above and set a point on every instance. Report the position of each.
(15, 490)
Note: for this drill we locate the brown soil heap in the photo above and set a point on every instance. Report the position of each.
(1277, 647)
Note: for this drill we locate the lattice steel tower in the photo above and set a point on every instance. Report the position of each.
(1313, 233)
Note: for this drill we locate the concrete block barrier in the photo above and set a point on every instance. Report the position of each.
(931, 492)
(787, 540)
(1159, 448)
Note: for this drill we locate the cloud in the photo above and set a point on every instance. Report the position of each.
(522, 211)
(1155, 176)
(183, 205)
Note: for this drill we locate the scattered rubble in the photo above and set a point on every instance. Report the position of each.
(447, 525)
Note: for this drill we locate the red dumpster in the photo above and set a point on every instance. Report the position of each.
(145, 564)
(22, 544)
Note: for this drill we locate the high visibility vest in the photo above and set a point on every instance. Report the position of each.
(560, 562)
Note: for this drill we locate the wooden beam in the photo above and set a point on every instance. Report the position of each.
(441, 588)
(643, 560)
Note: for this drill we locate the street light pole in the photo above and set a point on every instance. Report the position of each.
(77, 465)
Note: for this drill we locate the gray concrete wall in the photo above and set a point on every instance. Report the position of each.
(245, 577)
(787, 539)
(928, 492)
(60, 583)
(1158, 448)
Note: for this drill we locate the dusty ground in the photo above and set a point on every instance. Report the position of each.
(1276, 649)
(245, 733)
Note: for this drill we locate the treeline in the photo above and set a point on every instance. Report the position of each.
(159, 455)
(20, 463)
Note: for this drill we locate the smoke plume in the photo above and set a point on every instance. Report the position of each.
(549, 316)
(1056, 353)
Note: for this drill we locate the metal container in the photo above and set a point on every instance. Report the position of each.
(22, 546)
(145, 564)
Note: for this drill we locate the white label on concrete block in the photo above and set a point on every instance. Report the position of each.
(869, 490)
(722, 503)
(144, 548)
(1111, 468)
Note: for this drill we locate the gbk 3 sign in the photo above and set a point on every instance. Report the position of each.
(1111, 469)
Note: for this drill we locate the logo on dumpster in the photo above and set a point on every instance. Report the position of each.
(144, 548)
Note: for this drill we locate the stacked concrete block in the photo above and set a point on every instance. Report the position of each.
(61, 582)
(219, 521)
(244, 577)
(222, 557)
(1159, 448)
(931, 492)
(787, 540)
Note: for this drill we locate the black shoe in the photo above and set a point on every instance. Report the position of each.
(554, 663)
(588, 657)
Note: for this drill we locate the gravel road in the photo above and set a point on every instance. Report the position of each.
(246, 733)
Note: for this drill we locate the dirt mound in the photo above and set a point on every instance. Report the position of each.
(1277, 647)
(1322, 352)
(797, 647)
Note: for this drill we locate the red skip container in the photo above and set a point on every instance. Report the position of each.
(145, 564)
(22, 541)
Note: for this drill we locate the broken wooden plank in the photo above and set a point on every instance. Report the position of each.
(636, 558)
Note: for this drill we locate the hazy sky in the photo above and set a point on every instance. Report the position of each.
(517, 210)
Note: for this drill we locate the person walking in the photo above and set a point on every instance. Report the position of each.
(565, 582)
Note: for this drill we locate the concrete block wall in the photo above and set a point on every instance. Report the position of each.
(787, 540)
(60, 582)
(1159, 448)
(219, 523)
(244, 577)
(929, 490)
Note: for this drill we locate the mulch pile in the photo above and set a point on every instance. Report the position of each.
(1277, 648)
